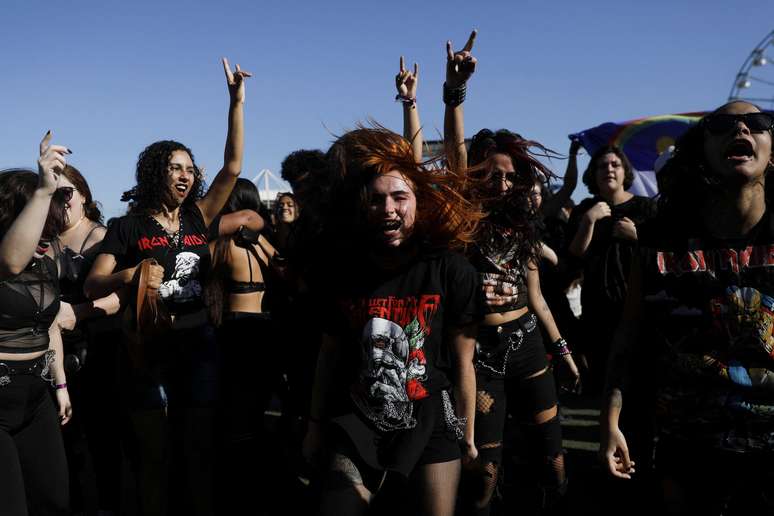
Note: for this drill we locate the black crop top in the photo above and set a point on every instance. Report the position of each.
(501, 275)
(246, 287)
(29, 303)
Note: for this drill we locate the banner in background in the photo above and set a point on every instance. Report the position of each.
(642, 140)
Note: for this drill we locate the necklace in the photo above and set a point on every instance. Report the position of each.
(174, 236)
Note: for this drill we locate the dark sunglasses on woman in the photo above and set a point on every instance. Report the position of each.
(65, 193)
(755, 122)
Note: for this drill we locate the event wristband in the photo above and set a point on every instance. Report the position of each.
(61, 386)
(561, 347)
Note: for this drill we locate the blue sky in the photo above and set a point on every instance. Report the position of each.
(111, 77)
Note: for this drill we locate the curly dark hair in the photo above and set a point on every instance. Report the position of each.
(589, 175)
(299, 165)
(686, 179)
(513, 211)
(17, 185)
(148, 194)
(90, 207)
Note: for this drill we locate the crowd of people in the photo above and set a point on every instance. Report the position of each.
(403, 313)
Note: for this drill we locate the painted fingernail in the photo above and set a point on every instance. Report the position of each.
(48, 132)
(69, 151)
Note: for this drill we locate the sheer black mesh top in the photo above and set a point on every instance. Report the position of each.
(29, 303)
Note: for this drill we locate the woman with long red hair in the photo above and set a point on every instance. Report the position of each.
(397, 332)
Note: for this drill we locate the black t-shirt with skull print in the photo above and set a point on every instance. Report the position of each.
(392, 325)
(185, 256)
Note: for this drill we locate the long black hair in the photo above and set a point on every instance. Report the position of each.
(244, 196)
(148, 194)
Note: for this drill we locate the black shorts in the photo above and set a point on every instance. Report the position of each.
(526, 357)
(431, 441)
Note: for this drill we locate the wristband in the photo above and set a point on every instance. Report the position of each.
(453, 97)
(560, 347)
(406, 100)
(60, 386)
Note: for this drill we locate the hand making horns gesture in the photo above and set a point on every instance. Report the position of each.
(235, 81)
(460, 65)
(406, 81)
(50, 164)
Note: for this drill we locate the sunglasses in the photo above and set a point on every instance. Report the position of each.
(501, 175)
(722, 123)
(65, 193)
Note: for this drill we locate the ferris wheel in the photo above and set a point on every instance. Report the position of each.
(755, 80)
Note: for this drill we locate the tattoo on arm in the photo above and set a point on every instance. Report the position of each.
(615, 400)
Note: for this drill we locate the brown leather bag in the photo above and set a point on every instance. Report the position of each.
(152, 316)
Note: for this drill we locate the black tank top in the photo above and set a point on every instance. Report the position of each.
(29, 303)
(499, 269)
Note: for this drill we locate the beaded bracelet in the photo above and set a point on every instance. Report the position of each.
(453, 97)
(60, 386)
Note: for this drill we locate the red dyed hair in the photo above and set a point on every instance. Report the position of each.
(444, 216)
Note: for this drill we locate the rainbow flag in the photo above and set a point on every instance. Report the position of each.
(642, 140)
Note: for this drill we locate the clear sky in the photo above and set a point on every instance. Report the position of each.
(109, 77)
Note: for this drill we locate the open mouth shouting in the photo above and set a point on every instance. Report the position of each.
(391, 228)
(739, 151)
(181, 189)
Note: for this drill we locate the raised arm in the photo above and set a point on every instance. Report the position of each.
(216, 197)
(459, 67)
(20, 241)
(406, 84)
(552, 206)
(232, 222)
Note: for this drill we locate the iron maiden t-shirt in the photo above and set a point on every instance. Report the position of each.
(185, 257)
(709, 310)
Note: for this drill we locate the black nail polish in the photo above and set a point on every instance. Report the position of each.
(69, 151)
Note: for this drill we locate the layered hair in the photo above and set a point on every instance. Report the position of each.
(90, 208)
(244, 196)
(17, 187)
(590, 174)
(513, 211)
(148, 195)
(687, 179)
(444, 216)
